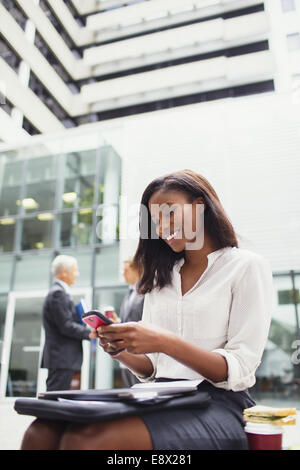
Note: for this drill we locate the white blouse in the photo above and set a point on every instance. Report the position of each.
(227, 311)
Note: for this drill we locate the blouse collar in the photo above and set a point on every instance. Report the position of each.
(211, 258)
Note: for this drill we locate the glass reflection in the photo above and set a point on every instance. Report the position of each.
(10, 188)
(107, 265)
(25, 348)
(275, 377)
(80, 169)
(32, 272)
(3, 303)
(76, 228)
(40, 189)
(7, 234)
(36, 234)
(6, 266)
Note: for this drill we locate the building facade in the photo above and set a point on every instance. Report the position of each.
(68, 63)
(54, 204)
(157, 85)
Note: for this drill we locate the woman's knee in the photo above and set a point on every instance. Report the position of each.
(82, 437)
(43, 435)
(127, 433)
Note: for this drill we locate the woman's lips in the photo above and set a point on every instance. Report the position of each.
(172, 237)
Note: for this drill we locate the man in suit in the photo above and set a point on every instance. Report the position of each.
(131, 310)
(64, 333)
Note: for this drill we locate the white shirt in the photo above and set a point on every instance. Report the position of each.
(228, 311)
(64, 285)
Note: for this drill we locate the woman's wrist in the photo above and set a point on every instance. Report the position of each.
(116, 354)
(166, 343)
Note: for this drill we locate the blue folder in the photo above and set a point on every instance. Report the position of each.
(81, 308)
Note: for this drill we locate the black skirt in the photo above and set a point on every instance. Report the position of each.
(219, 426)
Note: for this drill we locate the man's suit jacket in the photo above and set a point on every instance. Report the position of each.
(132, 307)
(63, 331)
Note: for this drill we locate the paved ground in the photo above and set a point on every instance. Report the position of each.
(13, 425)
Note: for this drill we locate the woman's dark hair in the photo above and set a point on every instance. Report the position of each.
(153, 256)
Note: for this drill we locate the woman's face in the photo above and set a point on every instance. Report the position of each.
(178, 221)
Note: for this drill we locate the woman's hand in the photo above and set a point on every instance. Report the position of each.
(135, 337)
(109, 347)
(103, 343)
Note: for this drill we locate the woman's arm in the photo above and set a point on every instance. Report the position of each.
(140, 364)
(211, 365)
(233, 366)
(140, 338)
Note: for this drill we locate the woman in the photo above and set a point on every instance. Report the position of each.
(206, 316)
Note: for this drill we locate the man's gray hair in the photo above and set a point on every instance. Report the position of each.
(62, 261)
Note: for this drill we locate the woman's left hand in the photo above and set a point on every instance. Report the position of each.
(135, 337)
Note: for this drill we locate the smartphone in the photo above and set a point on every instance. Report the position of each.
(94, 319)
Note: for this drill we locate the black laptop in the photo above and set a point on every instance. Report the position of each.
(140, 393)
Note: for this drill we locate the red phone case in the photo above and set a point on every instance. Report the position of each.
(94, 321)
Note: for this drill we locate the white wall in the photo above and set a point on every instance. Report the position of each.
(247, 148)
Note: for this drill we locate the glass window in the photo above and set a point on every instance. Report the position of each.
(7, 233)
(107, 223)
(276, 377)
(296, 345)
(293, 41)
(288, 5)
(107, 265)
(3, 304)
(109, 177)
(76, 228)
(107, 227)
(41, 179)
(80, 169)
(25, 348)
(32, 272)
(110, 296)
(10, 184)
(6, 265)
(36, 233)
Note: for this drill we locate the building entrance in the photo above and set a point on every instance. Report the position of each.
(23, 342)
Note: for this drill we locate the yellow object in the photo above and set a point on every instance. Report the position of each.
(270, 415)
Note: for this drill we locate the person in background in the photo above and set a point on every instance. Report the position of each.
(62, 354)
(131, 310)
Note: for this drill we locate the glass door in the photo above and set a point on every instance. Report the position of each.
(23, 344)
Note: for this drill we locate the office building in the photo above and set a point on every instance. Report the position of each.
(109, 94)
(64, 64)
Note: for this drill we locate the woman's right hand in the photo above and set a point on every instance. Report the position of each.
(106, 346)
(110, 348)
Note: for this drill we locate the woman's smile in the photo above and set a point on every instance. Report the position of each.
(173, 236)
